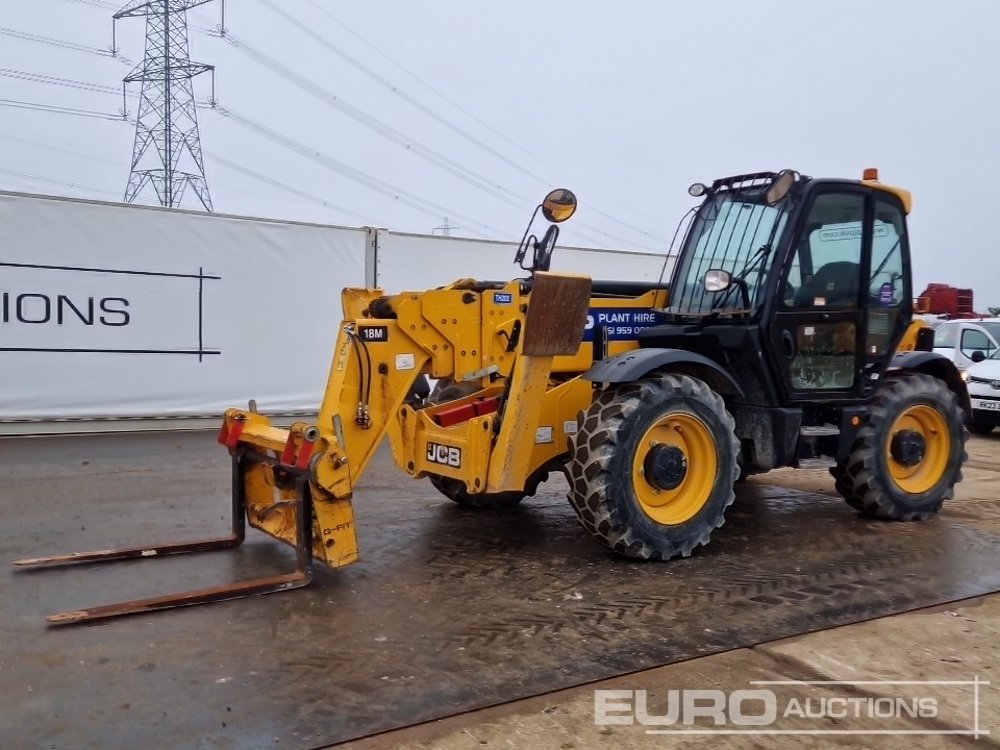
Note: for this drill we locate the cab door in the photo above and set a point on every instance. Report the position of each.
(887, 289)
(817, 327)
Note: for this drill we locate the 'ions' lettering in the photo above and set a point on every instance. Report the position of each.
(39, 309)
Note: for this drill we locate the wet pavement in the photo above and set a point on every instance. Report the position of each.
(449, 609)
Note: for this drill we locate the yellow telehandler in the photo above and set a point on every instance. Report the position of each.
(785, 337)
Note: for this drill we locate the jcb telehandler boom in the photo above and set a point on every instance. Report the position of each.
(786, 338)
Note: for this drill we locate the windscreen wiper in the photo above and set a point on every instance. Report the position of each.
(739, 280)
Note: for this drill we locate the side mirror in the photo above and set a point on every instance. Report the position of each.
(977, 356)
(717, 280)
(559, 205)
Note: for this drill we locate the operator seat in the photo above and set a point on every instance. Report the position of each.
(835, 282)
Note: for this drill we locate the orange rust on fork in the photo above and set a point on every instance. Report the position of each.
(302, 575)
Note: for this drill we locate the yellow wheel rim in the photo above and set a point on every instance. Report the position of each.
(932, 427)
(694, 441)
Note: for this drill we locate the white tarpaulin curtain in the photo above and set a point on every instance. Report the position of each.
(111, 310)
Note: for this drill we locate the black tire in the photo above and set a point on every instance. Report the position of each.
(864, 477)
(454, 489)
(978, 428)
(600, 471)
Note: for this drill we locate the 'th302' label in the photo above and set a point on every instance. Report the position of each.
(447, 455)
(502, 298)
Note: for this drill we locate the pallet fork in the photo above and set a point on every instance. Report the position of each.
(302, 575)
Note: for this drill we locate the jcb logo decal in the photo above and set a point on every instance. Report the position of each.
(444, 454)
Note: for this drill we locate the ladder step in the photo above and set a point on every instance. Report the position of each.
(819, 430)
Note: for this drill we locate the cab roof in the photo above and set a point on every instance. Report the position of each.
(760, 181)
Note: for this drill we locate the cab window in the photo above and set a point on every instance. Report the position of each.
(888, 282)
(974, 340)
(946, 336)
(826, 268)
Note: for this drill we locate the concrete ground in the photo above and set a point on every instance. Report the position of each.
(452, 615)
(954, 644)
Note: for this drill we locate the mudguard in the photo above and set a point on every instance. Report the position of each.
(629, 366)
(936, 364)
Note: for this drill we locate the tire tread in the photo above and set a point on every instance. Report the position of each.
(597, 442)
(857, 477)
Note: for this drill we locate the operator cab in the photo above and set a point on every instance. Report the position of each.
(811, 276)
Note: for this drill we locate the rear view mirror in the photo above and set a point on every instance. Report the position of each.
(977, 356)
(559, 205)
(717, 280)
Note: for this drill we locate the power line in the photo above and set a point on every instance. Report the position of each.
(247, 172)
(225, 162)
(398, 194)
(17, 186)
(26, 75)
(98, 4)
(449, 165)
(486, 124)
(53, 181)
(58, 150)
(395, 89)
(414, 201)
(25, 36)
(56, 109)
(418, 149)
(322, 159)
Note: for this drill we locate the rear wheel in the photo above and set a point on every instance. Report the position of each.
(653, 467)
(908, 456)
(454, 489)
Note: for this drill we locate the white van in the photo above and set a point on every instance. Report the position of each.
(983, 379)
(965, 342)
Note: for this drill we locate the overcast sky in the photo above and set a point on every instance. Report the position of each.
(626, 103)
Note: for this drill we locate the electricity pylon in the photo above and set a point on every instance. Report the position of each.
(167, 151)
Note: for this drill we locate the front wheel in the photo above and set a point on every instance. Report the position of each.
(908, 455)
(653, 466)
